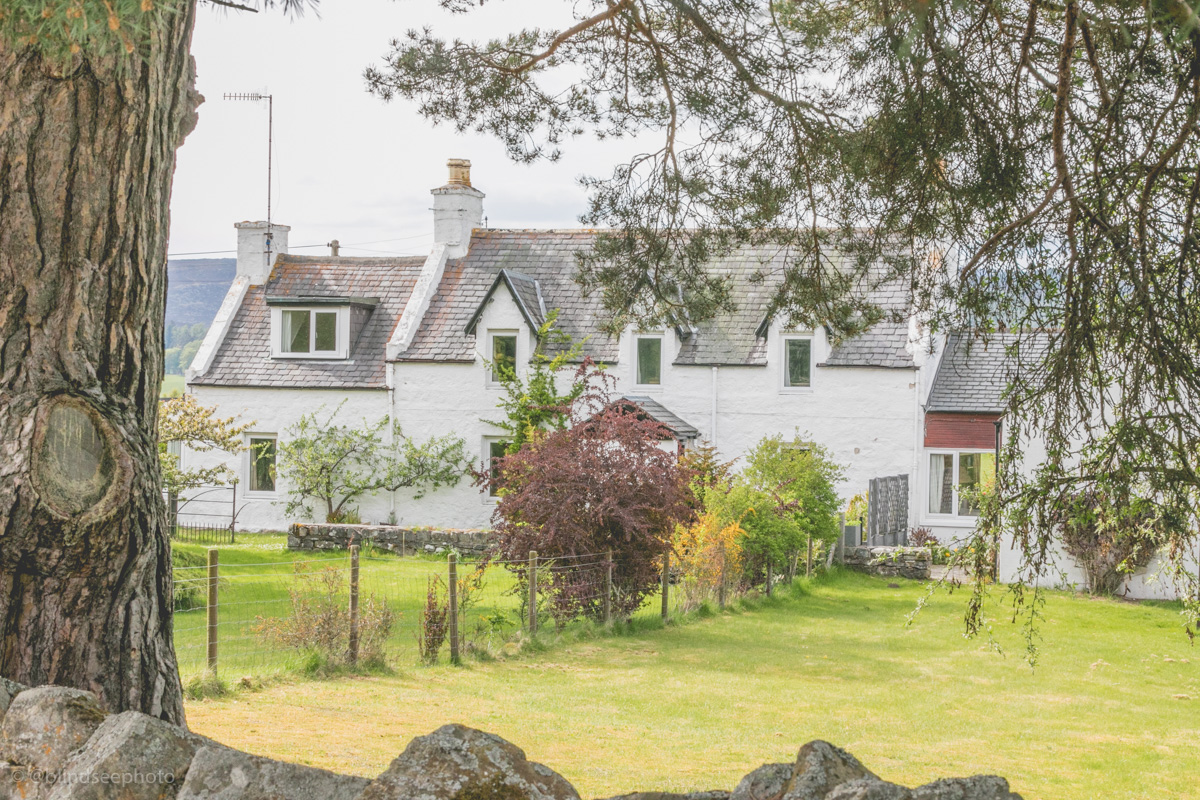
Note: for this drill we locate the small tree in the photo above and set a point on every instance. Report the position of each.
(602, 483)
(182, 419)
(336, 464)
(784, 499)
(534, 403)
(1109, 538)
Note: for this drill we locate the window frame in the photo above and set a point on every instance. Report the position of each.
(637, 360)
(490, 362)
(486, 464)
(785, 372)
(342, 332)
(955, 481)
(249, 463)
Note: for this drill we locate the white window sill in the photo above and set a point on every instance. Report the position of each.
(313, 356)
(796, 390)
(949, 521)
(258, 495)
(648, 388)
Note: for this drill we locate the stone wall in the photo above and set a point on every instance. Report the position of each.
(61, 744)
(403, 541)
(889, 562)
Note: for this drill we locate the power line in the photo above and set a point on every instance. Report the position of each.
(305, 246)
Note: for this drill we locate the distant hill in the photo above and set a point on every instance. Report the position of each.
(196, 287)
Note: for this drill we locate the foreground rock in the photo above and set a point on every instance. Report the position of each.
(60, 744)
(131, 756)
(456, 759)
(219, 773)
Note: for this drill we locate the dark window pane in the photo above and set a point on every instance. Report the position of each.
(295, 331)
(496, 451)
(649, 366)
(262, 465)
(799, 362)
(968, 479)
(504, 356)
(326, 331)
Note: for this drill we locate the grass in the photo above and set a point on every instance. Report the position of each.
(172, 384)
(696, 706)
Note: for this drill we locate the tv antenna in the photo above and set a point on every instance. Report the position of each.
(258, 97)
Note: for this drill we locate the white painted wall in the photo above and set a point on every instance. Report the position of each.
(274, 411)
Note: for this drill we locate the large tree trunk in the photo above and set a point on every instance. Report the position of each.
(87, 156)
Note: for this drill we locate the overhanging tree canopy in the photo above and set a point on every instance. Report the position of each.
(1047, 151)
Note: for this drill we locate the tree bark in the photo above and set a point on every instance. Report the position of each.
(87, 156)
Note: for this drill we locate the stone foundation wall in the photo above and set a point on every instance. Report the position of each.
(62, 744)
(889, 562)
(403, 541)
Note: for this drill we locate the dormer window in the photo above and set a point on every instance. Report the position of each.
(309, 331)
(504, 355)
(797, 357)
(649, 360)
(317, 327)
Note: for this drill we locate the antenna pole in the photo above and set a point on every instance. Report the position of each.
(270, 98)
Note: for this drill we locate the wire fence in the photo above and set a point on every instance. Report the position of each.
(372, 607)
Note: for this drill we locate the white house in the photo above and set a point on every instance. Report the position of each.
(411, 339)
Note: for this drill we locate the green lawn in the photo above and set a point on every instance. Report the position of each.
(172, 384)
(1111, 711)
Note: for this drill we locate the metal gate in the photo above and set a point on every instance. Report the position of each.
(887, 511)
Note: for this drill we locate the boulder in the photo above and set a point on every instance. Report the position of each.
(820, 768)
(456, 759)
(131, 756)
(218, 773)
(768, 782)
(8, 690)
(869, 789)
(45, 725)
(979, 787)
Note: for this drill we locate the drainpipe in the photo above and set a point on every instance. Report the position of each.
(390, 372)
(712, 422)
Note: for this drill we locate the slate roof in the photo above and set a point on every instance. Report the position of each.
(661, 414)
(975, 371)
(244, 358)
(545, 261)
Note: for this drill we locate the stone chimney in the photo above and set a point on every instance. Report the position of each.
(255, 256)
(457, 209)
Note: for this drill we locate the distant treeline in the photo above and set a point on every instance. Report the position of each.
(182, 343)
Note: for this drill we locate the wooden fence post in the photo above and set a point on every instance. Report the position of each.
(213, 576)
(454, 655)
(666, 583)
(721, 587)
(769, 576)
(233, 515)
(808, 567)
(842, 536)
(353, 604)
(608, 589)
(533, 592)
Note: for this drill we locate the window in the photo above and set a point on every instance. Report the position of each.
(955, 477)
(797, 355)
(649, 360)
(307, 331)
(504, 355)
(496, 450)
(262, 463)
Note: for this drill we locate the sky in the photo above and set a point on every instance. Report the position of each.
(345, 164)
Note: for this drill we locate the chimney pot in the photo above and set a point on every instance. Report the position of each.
(460, 172)
(334, 246)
